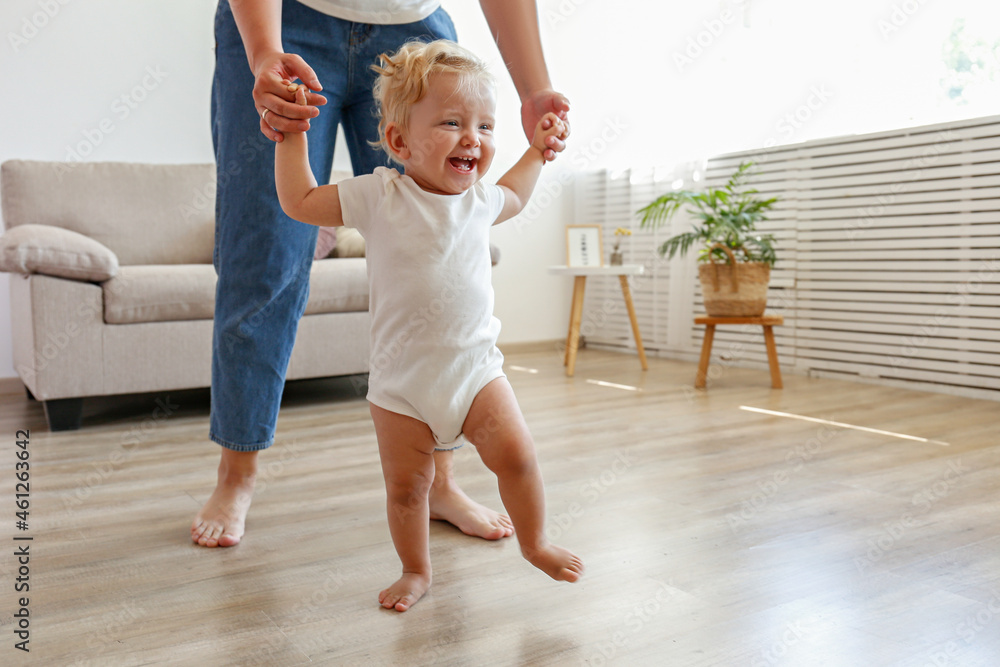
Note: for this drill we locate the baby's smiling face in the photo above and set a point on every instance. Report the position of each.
(448, 142)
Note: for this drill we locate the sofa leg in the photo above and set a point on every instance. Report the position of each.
(31, 397)
(64, 414)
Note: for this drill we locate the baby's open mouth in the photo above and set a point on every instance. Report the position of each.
(463, 163)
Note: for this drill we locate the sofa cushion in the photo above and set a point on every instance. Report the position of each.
(144, 213)
(55, 251)
(160, 293)
(350, 243)
(338, 286)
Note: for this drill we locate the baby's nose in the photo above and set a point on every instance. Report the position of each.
(470, 138)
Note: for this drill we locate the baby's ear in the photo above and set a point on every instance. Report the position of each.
(396, 142)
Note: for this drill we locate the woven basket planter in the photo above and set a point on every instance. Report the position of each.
(737, 289)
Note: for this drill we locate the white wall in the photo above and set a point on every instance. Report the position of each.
(65, 66)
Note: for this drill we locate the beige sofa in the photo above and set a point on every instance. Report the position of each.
(113, 287)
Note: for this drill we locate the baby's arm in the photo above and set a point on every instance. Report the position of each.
(519, 182)
(300, 196)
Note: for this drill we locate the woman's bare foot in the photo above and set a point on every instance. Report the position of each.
(558, 563)
(449, 503)
(221, 521)
(405, 592)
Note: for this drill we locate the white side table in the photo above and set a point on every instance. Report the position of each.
(580, 274)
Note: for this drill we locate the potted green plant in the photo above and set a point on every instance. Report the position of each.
(734, 260)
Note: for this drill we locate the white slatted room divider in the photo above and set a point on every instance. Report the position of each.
(888, 259)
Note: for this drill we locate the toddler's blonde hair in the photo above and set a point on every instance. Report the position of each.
(403, 76)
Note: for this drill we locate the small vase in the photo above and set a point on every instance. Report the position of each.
(616, 258)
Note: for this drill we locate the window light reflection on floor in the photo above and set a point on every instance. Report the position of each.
(902, 436)
(602, 383)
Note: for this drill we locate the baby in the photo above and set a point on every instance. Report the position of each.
(435, 371)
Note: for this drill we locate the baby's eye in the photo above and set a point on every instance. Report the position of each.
(451, 123)
(486, 127)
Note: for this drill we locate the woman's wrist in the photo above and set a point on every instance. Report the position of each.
(261, 58)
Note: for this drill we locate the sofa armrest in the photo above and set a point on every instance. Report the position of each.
(57, 336)
(57, 252)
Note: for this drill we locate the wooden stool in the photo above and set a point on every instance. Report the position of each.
(766, 321)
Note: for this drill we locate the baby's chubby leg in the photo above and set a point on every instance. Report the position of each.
(496, 427)
(406, 447)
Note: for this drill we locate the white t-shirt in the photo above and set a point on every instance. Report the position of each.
(433, 335)
(381, 12)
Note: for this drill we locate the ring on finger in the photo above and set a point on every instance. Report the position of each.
(263, 115)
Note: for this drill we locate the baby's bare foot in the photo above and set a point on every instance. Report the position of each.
(558, 563)
(449, 503)
(405, 592)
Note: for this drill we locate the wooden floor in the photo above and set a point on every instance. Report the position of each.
(712, 534)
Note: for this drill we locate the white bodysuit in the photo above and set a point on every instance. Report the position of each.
(433, 335)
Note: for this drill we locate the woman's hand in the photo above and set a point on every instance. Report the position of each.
(274, 97)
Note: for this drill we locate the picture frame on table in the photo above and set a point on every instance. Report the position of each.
(584, 247)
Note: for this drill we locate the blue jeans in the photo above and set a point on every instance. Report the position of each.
(262, 256)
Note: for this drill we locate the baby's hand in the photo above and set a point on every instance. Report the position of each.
(300, 91)
(549, 126)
